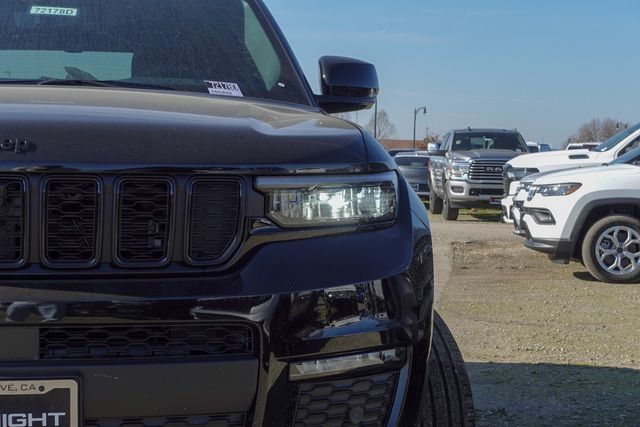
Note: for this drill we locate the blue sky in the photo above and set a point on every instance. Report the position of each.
(541, 66)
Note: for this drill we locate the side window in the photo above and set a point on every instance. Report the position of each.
(633, 144)
(447, 142)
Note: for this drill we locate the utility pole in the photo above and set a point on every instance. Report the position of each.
(415, 114)
(375, 120)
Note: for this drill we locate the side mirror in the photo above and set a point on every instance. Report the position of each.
(435, 149)
(347, 84)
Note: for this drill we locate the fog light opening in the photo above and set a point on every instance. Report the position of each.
(377, 360)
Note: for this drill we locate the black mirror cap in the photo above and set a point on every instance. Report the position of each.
(347, 84)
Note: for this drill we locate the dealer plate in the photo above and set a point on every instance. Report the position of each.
(39, 403)
(495, 200)
(415, 186)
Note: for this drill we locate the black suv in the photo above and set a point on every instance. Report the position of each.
(187, 238)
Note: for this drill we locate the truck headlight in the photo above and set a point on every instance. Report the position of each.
(553, 190)
(316, 201)
(459, 170)
(518, 174)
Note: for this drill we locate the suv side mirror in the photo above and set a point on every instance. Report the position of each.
(347, 84)
(435, 149)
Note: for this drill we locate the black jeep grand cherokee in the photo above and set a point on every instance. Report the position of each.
(188, 239)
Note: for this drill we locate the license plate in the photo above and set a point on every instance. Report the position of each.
(495, 200)
(415, 186)
(39, 403)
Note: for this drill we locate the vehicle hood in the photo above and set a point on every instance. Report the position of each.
(555, 159)
(104, 125)
(465, 156)
(595, 174)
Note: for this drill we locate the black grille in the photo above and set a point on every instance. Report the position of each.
(144, 221)
(364, 401)
(71, 215)
(12, 221)
(215, 215)
(227, 420)
(157, 341)
(486, 192)
(487, 170)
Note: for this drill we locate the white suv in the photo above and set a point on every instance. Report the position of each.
(591, 215)
(522, 166)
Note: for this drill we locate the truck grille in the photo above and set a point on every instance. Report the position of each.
(79, 221)
(487, 170)
(227, 420)
(148, 341)
(12, 221)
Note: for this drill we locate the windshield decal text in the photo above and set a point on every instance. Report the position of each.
(56, 11)
(224, 88)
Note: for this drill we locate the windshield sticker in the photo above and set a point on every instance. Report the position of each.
(224, 89)
(56, 11)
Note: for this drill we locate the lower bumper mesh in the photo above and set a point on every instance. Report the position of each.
(228, 420)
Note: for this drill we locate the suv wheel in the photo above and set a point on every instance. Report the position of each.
(449, 213)
(448, 400)
(435, 202)
(611, 249)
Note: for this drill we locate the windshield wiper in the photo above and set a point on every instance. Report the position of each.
(94, 83)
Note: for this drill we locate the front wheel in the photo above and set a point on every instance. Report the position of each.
(449, 213)
(435, 202)
(448, 400)
(611, 249)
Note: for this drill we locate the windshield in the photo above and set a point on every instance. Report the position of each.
(412, 161)
(221, 47)
(616, 139)
(628, 159)
(467, 141)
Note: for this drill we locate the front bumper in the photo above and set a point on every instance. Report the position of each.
(560, 251)
(474, 194)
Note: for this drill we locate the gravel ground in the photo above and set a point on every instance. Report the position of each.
(545, 344)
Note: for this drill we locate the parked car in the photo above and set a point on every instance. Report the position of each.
(608, 151)
(522, 193)
(543, 148)
(188, 238)
(465, 171)
(591, 215)
(415, 169)
(534, 147)
(582, 145)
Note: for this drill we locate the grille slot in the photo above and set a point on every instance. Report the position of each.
(71, 215)
(12, 222)
(329, 403)
(487, 170)
(149, 341)
(215, 216)
(144, 221)
(230, 420)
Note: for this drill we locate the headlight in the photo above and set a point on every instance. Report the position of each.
(553, 190)
(315, 201)
(459, 170)
(518, 174)
(523, 187)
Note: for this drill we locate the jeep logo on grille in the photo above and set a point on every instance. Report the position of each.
(493, 169)
(20, 146)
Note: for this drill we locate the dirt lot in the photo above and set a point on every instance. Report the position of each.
(544, 343)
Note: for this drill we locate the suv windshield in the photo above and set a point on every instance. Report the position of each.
(616, 139)
(629, 158)
(466, 141)
(221, 47)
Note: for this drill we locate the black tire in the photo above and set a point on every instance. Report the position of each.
(435, 202)
(589, 257)
(448, 401)
(449, 213)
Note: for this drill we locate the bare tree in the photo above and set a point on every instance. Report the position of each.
(386, 129)
(597, 130)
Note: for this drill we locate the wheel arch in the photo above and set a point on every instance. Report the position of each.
(595, 211)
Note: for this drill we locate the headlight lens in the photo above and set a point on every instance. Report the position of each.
(523, 187)
(330, 200)
(518, 174)
(459, 170)
(554, 190)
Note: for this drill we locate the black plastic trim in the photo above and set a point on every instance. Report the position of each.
(26, 203)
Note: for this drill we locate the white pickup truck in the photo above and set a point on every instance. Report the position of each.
(521, 166)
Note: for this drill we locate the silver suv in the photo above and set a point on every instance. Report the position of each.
(465, 170)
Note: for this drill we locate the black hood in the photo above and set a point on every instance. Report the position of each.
(464, 156)
(89, 125)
